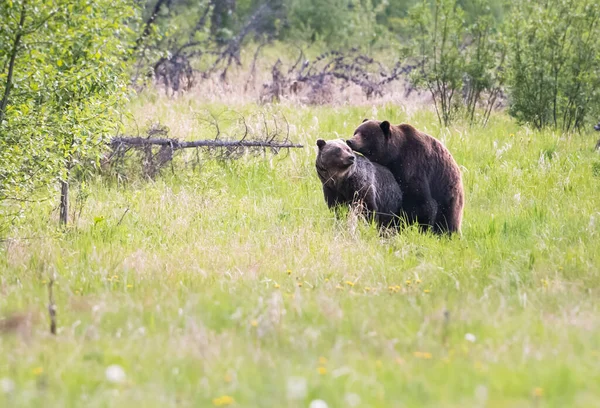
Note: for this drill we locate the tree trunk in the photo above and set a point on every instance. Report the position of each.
(11, 64)
(64, 201)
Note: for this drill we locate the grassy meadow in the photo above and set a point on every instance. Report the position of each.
(231, 283)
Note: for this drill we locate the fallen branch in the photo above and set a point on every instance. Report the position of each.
(234, 136)
(176, 144)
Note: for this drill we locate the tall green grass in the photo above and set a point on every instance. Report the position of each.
(233, 279)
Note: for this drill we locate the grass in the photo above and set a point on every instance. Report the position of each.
(232, 283)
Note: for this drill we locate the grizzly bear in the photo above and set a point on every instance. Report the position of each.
(354, 180)
(428, 176)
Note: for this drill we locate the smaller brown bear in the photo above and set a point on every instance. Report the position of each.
(349, 179)
(425, 170)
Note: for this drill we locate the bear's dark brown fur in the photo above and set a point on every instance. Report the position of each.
(427, 173)
(350, 179)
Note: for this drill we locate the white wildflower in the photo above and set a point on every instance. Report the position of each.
(318, 404)
(115, 373)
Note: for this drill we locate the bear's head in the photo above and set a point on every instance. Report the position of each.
(335, 159)
(371, 139)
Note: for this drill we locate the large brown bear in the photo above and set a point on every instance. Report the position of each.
(428, 176)
(349, 179)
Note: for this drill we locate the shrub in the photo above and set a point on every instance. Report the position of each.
(62, 78)
(554, 71)
(457, 62)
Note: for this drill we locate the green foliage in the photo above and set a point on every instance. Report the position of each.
(437, 42)
(336, 23)
(62, 77)
(484, 59)
(554, 69)
(457, 61)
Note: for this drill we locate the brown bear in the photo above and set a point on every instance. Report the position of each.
(427, 173)
(350, 179)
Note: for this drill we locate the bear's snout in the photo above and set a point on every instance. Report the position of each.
(350, 144)
(351, 159)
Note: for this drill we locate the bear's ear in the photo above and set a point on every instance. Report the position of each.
(321, 143)
(385, 127)
(365, 120)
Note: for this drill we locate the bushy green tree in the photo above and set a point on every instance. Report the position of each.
(458, 60)
(62, 79)
(554, 69)
(436, 45)
(484, 51)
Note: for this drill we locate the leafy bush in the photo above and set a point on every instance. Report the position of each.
(61, 81)
(436, 45)
(456, 61)
(554, 71)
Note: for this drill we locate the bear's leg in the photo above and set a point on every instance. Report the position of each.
(427, 214)
(449, 218)
(420, 205)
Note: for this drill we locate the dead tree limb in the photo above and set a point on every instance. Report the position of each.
(176, 144)
(148, 24)
(345, 67)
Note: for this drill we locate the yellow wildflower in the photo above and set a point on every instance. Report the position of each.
(426, 291)
(276, 286)
(322, 370)
(254, 323)
(37, 371)
(289, 271)
(422, 354)
(349, 283)
(408, 282)
(299, 284)
(418, 281)
(223, 400)
(129, 285)
(538, 392)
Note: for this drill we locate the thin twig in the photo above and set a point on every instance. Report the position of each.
(51, 307)
(123, 216)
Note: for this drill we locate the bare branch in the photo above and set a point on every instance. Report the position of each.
(177, 144)
(51, 307)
